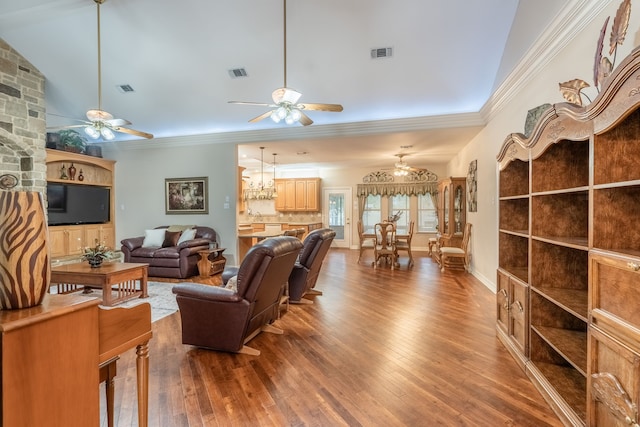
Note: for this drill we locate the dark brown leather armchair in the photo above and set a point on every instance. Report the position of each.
(306, 270)
(222, 319)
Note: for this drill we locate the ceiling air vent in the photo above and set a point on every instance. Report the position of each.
(381, 52)
(237, 72)
(125, 88)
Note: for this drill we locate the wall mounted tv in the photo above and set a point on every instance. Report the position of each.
(77, 204)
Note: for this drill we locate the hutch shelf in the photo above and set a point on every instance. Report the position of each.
(569, 254)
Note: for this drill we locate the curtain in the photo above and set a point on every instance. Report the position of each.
(385, 184)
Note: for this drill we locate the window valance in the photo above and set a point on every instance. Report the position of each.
(385, 184)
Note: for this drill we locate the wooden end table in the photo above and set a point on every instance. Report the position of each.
(122, 275)
(210, 265)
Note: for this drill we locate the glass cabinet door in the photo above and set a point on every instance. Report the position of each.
(458, 209)
(446, 211)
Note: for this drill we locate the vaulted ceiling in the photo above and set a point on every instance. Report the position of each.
(446, 59)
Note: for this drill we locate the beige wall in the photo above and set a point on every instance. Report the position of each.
(140, 180)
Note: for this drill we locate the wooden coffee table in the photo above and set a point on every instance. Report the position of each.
(119, 281)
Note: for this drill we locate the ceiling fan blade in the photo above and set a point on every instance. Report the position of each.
(304, 119)
(260, 117)
(321, 107)
(118, 122)
(133, 132)
(285, 94)
(99, 115)
(67, 127)
(263, 104)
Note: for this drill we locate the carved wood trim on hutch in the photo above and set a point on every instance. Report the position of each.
(568, 202)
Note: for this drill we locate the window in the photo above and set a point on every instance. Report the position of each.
(372, 213)
(427, 217)
(400, 204)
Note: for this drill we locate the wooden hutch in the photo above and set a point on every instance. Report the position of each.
(451, 215)
(569, 255)
(69, 240)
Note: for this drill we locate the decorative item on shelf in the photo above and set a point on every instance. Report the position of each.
(602, 67)
(72, 172)
(80, 176)
(63, 172)
(8, 181)
(96, 254)
(72, 141)
(24, 250)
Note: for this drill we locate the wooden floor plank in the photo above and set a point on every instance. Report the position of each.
(379, 348)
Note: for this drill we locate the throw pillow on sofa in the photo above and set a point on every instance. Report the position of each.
(232, 284)
(153, 238)
(179, 227)
(171, 238)
(187, 235)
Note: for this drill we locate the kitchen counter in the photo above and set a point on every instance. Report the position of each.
(250, 238)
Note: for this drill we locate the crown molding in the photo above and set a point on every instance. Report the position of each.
(310, 132)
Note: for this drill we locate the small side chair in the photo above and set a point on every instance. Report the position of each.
(449, 252)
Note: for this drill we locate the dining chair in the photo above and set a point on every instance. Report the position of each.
(366, 241)
(448, 252)
(385, 245)
(403, 242)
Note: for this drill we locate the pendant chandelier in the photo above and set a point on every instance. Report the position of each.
(274, 194)
(263, 192)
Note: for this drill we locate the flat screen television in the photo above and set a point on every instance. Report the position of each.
(77, 204)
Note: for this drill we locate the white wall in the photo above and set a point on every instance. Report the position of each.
(574, 61)
(140, 180)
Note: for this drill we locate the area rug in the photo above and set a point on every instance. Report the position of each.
(162, 300)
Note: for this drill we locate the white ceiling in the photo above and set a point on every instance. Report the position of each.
(176, 55)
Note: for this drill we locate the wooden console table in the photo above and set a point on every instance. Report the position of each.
(122, 275)
(49, 363)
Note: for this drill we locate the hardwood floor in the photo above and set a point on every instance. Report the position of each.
(380, 348)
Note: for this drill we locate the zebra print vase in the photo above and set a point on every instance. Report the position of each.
(25, 269)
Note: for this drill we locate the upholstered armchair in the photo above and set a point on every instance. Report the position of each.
(224, 319)
(305, 272)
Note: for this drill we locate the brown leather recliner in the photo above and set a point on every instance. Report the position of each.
(222, 319)
(306, 270)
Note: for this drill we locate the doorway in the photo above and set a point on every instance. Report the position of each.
(338, 214)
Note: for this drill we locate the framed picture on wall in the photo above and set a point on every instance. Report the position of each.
(186, 195)
(472, 187)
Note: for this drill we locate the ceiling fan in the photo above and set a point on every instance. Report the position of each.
(401, 168)
(285, 100)
(100, 123)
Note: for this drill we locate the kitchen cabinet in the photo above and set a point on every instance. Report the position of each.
(298, 195)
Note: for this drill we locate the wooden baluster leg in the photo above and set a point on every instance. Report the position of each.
(142, 370)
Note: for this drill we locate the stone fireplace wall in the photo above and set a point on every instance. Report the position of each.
(22, 122)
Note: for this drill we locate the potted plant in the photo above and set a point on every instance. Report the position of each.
(72, 141)
(96, 254)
